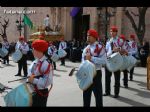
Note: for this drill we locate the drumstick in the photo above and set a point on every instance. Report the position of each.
(71, 72)
(18, 79)
(24, 78)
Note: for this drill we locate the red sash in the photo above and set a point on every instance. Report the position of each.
(42, 73)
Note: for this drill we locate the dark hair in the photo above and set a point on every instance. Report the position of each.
(0, 45)
(47, 15)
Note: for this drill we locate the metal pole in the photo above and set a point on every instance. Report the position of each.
(106, 14)
(20, 26)
(25, 28)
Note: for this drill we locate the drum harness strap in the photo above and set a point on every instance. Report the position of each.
(112, 45)
(97, 50)
(35, 86)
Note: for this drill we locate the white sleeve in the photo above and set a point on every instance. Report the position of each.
(65, 46)
(59, 45)
(83, 55)
(47, 79)
(108, 49)
(101, 59)
(49, 51)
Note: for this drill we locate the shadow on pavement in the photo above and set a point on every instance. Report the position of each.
(57, 75)
(140, 75)
(61, 70)
(131, 102)
(143, 84)
(1, 67)
(11, 65)
(69, 66)
(140, 93)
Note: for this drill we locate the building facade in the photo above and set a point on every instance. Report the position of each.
(71, 26)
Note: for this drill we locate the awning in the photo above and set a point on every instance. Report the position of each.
(74, 11)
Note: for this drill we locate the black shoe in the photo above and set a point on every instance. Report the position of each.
(106, 94)
(3, 63)
(116, 96)
(18, 75)
(126, 86)
(131, 79)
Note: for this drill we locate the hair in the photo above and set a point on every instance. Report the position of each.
(0, 45)
(47, 15)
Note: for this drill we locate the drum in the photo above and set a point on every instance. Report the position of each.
(132, 62)
(125, 64)
(85, 75)
(61, 53)
(3, 52)
(16, 56)
(20, 96)
(55, 57)
(114, 62)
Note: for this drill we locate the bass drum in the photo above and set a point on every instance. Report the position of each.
(125, 64)
(21, 96)
(114, 62)
(132, 62)
(55, 57)
(85, 75)
(3, 52)
(16, 56)
(62, 53)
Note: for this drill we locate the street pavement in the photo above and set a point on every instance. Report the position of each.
(66, 93)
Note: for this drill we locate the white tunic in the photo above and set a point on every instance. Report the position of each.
(62, 45)
(133, 47)
(47, 79)
(24, 48)
(52, 49)
(46, 21)
(6, 44)
(117, 44)
(97, 59)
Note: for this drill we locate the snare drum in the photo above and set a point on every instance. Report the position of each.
(16, 56)
(85, 75)
(62, 53)
(55, 57)
(3, 52)
(132, 62)
(20, 96)
(125, 64)
(114, 62)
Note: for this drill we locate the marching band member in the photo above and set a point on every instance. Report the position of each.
(40, 67)
(24, 48)
(6, 46)
(95, 53)
(111, 47)
(52, 49)
(62, 45)
(133, 51)
(125, 49)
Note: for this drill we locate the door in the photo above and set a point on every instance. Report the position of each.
(85, 25)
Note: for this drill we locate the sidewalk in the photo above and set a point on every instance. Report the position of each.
(66, 92)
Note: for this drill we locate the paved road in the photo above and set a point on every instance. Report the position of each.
(66, 92)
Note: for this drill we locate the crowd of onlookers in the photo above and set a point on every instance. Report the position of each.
(75, 47)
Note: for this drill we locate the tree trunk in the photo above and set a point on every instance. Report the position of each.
(140, 28)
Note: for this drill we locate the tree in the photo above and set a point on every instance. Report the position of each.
(139, 28)
(3, 28)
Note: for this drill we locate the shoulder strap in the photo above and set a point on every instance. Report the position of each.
(112, 45)
(99, 50)
(47, 70)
